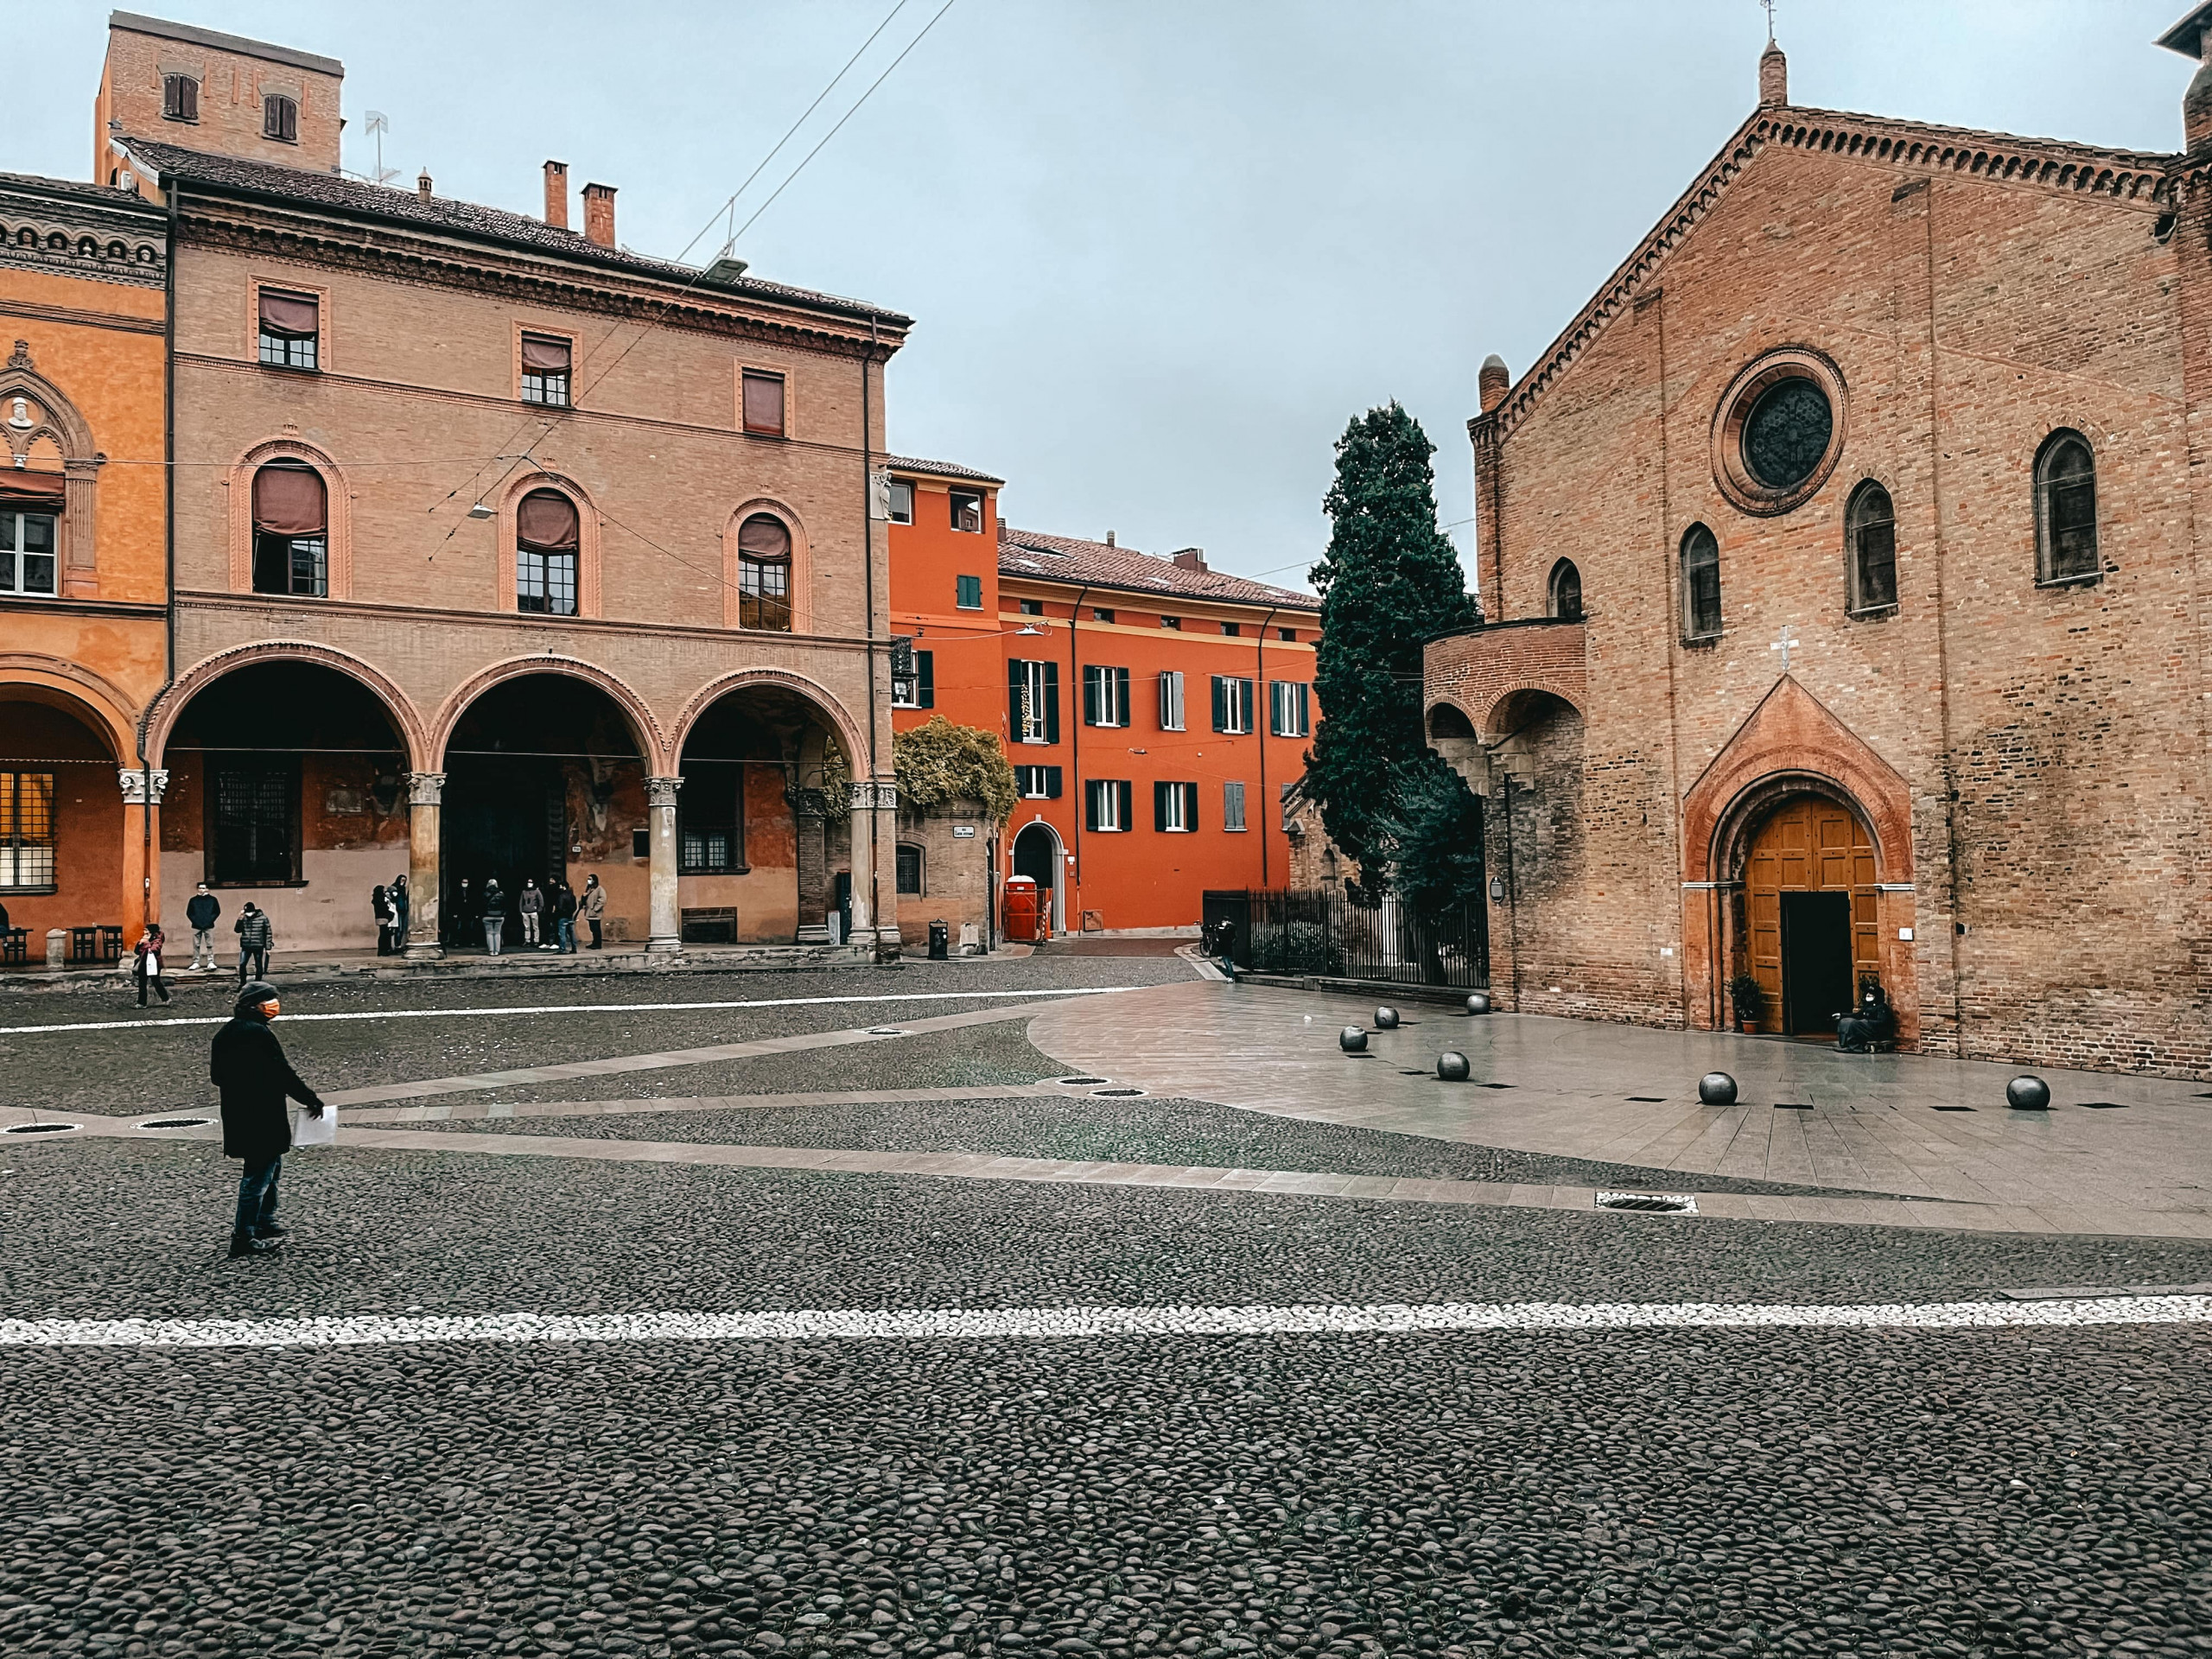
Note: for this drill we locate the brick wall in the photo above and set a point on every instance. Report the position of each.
(2053, 736)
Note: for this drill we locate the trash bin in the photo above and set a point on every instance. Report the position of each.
(940, 942)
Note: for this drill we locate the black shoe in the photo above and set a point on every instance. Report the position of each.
(245, 1244)
(272, 1230)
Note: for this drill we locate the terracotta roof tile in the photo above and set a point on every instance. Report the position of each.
(1065, 558)
(938, 469)
(344, 195)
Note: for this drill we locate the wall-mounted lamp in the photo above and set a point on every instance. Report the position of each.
(1498, 889)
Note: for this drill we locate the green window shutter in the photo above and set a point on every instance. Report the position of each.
(1160, 805)
(1014, 671)
(1090, 689)
(1052, 783)
(1220, 704)
(1051, 702)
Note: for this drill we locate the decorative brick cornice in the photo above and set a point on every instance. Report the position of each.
(2145, 181)
(335, 244)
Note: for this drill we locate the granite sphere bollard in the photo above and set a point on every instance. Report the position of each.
(1386, 1018)
(1478, 1002)
(1352, 1041)
(2028, 1094)
(1717, 1088)
(1452, 1066)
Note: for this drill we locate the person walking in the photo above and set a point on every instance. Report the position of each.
(531, 904)
(591, 906)
(256, 936)
(495, 914)
(395, 896)
(147, 968)
(247, 1066)
(201, 911)
(380, 907)
(564, 917)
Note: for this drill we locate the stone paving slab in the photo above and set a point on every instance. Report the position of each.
(1627, 1094)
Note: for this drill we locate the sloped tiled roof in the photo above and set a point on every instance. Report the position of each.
(94, 195)
(1065, 558)
(938, 469)
(333, 191)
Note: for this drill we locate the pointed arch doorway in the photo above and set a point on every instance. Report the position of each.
(1810, 897)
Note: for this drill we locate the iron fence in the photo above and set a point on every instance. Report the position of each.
(1335, 934)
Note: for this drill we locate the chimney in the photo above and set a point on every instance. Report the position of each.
(1190, 558)
(1109, 539)
(2192, 38)
(1774, 77)
(598, 215)
(556, 194)
(422, 185)
(1493, 383)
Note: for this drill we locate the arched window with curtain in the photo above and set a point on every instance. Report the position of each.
(547, 532)
(764, 574)
(1869, 532)
(2066, 509)
(1566, 592)
(291, 531)
(1701, 584)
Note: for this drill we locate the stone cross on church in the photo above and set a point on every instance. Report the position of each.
(1783, 645)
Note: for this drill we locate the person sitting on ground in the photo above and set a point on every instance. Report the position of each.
(201, 911)
(247, 1065)
(1870, 1026)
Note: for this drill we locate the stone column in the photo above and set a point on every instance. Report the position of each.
(663, 924)
(425, 797)
(870, 803)
(141, 846)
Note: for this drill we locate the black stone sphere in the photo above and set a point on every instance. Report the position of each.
(1352, 1041)
(1452, 1066)
(1478, 1002)
(1717, 1088)
(2028, 1094)
(1386, 1018)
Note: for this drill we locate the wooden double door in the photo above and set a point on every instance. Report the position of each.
(1810, 914)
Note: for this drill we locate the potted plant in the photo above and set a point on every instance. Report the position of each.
(1744, 991)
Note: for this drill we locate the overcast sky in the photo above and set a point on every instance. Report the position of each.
(1159, 251)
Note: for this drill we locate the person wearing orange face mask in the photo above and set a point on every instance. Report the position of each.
(247, 1065)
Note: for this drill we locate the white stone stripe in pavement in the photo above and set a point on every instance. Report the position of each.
(579, 1008)
(970, 1324)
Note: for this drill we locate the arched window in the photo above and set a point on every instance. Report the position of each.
(2066, 509)
(547, 532)
(291, 531)
(1566, 592)
(1869, 533)
(764, 574)
(1701, 584)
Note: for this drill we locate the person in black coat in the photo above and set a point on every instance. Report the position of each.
(247, 1065)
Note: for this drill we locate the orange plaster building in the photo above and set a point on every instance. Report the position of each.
(1156, 711)
(83, 561)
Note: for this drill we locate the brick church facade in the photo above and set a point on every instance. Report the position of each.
(1844, 565)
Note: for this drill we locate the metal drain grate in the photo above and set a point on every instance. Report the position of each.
(2104, 1105)
(176, 1122)
(1662, 1203)
(1077, 1080)
(1115, 1094)
(42, 1128)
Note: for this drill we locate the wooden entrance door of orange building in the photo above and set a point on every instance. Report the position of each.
(1807, 952)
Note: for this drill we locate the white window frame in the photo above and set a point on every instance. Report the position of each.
(1171, 700)
(1232, 807)
(1106, 793)
(1034, 727)
(1113, 694)
(902, 502)
(1288, 698)
(1175, 809)
(12, 520)
(1235, 705)
(1033, 783)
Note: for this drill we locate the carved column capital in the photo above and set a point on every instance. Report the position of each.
(864, 796)
(135, 780)
(426, 788)
(661, 791)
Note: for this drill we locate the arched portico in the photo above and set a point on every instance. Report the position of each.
(74, 835)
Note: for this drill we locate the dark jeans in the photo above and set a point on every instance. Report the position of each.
(257, 1198)
(568, 933)
(154, 980)
(597, 942)
(259, 959)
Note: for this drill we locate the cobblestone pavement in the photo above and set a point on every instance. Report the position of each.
(1755, 1492)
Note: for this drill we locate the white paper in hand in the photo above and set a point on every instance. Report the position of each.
(308, 1130)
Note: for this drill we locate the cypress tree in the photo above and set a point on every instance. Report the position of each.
(1388, 583)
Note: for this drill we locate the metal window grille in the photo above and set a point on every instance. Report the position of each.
(256, 823)
(26, 830)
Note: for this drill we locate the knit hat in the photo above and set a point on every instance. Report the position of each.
(252, 994)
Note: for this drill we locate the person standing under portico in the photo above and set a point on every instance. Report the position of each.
(202, 911)
(531, 903)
